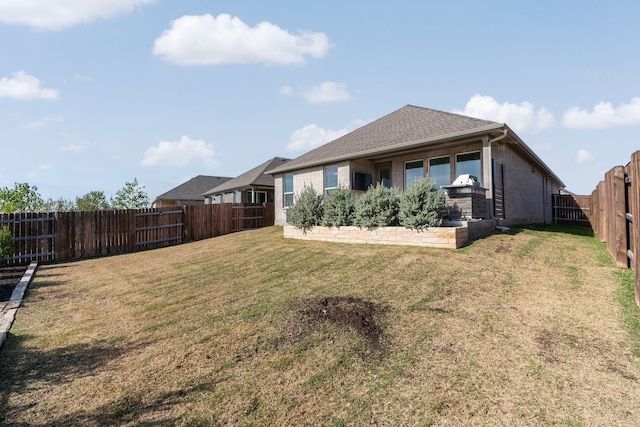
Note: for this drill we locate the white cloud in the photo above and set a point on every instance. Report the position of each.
(72, 147)
(521, 117)
(286, 90)
(37, 172)
(58, 14)
(311, 136)
(42, 122)
(179, 153)
(584, 157)
(328, 92)
(25, 87)
(603, 116)
(207, 40)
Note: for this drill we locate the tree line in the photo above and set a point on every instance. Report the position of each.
(24, 197)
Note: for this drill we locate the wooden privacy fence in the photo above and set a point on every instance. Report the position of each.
(570, 209)
(61, 236)
(614, 215)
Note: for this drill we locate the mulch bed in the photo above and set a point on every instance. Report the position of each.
(9, 278)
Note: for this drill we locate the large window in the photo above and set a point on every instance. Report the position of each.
(287, 189)
(413, 171)
(330, 179)
(440, 171)
(469, 163)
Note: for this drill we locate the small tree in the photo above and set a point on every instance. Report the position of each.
(131, 196)
(7, 245)
(339, 208)
(21, 198)
(422, 205)
(378, 207)
(307, 210)
(92, 201)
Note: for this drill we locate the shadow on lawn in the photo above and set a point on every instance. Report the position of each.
(23, 369)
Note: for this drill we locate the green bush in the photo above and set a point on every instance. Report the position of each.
(422, 205)
(339, 208)
(378, 207)
(7, 244)
(307, 210)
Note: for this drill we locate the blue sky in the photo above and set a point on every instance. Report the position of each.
(94, 94)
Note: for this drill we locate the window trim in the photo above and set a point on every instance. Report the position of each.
(327, 190)
(286, 193)
(479, 160)
(405, 170)
(448, 156)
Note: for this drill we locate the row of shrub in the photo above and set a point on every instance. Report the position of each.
(422, 205)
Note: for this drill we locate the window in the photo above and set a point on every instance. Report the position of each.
(469, 163)
(330, 179)
(287, 189)
(413, 171)
(383, 174)
(236, 196)
(260, 196)
(440, 171)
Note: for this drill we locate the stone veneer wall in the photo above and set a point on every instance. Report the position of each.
(437, 237)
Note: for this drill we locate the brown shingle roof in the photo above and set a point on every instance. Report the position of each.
(404, 127)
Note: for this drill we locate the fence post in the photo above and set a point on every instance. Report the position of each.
(616, 221)
(634, 210)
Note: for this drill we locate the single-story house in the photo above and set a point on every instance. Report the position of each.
(513, 183)
(188, 193)
(253, 186)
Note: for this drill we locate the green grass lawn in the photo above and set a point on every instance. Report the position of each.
(534, 327)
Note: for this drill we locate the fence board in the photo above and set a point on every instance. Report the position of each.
(616, 221)
(633, 170)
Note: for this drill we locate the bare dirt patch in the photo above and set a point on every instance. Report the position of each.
(350, 313)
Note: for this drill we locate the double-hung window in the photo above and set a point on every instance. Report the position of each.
(287, 189)
(413, 171)
(440, 171)
(469, 163)
(330, 179)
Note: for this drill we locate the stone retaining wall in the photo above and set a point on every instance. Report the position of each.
(437, 237)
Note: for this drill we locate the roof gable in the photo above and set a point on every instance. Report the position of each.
(193, 189)
(254, 177)
(395, 130)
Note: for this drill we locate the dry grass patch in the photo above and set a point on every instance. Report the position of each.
(252, 329)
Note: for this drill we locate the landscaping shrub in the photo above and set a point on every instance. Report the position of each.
(307, 210)
(339, 208)
(7, 244)
(378, 207)
(422, 205)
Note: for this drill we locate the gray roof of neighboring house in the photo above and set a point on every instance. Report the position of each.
(255, 177)
(193, 189)
(401, 129)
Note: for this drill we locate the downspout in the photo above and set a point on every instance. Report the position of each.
(487, 166)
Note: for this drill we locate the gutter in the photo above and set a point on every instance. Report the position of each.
(386, 149)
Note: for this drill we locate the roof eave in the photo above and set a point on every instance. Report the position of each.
(385, 150)
(531, 154)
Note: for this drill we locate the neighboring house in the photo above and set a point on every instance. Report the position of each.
(252, 186)
(414, 142)
(188, 193)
